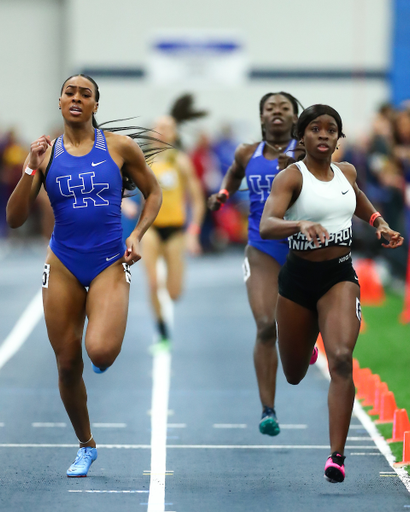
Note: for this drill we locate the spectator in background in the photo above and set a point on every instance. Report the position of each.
(223, 226)
(224, 148)
(12, 154)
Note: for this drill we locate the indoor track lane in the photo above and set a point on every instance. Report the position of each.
(216, 459)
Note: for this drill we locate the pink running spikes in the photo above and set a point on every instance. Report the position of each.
(315, 355)
(334, 468)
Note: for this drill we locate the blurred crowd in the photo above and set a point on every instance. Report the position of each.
(381, 157)
(382, 160)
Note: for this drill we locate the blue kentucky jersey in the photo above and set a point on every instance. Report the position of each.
(260, 173)
(85, 193)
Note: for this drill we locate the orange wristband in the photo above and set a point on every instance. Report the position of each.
(375, 216)
(225, 192)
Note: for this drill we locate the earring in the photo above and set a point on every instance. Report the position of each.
(301, 143)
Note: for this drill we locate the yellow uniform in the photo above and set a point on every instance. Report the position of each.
(169, 176)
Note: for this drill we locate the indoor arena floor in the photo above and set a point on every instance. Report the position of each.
(176, 431)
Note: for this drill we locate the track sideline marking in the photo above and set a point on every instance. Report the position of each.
(22, 329)
(109, 425)
(161, 379)
(368, 424)
(190, 447)
(48, 425)
(230, 425)
(106, 491)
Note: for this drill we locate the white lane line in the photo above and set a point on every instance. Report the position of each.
(290, 427)
(109, 425)
(1, 424)
(359, 438)
(367, 454)
(229, 425)
(371, 428)
(48, 425)
(189, 447)
(22, 329)
(176, 425)
(161, 376)
(159, 419)
(106, 491)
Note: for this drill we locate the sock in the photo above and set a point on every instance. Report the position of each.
(162, 329)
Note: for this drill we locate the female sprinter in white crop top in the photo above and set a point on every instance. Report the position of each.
(312, 202)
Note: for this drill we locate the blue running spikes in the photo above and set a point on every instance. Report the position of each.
(81, 465)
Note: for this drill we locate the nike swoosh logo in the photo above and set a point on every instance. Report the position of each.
(345, 192)
(98, 163)
(112, 257)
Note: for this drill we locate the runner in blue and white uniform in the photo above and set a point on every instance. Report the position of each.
(87, 271)
(260, 163)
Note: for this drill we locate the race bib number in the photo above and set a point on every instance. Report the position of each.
(246, 270)
(358, 310)
(127, 272)
(46, 275)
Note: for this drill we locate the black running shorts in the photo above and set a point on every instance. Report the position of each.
(305, 282)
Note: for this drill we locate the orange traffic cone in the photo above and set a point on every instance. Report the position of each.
(364, 375)
(380, 390)
(387, 408)
(373, 381)
(371, 288)
(401, 424)
(405, 314)
(406, 451)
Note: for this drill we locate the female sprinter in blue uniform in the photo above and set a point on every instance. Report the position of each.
(260, 163)
(312, 202)
(87, 266)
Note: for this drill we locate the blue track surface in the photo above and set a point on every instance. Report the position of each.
(217, 459)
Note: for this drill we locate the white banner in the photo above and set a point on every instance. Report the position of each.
(196, 58)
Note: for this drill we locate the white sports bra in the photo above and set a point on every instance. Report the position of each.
(330, 203)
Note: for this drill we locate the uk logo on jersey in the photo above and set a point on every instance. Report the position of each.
(261, 185)
(84, 191)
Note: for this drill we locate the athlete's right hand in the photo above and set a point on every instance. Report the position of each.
(215, 201)
(313, 231)
(38, 150)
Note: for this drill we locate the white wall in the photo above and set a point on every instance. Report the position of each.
(43, 41)
(31, 62)
(295, 34)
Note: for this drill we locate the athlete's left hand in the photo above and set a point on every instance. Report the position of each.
(132, 252)
(393, 237)
(192, 244)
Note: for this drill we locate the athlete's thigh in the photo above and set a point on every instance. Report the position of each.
(297, 332)
(107, 308)
(151, 251)
(261, 276)
(339, 313)
(64, 301)
(174, 254)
